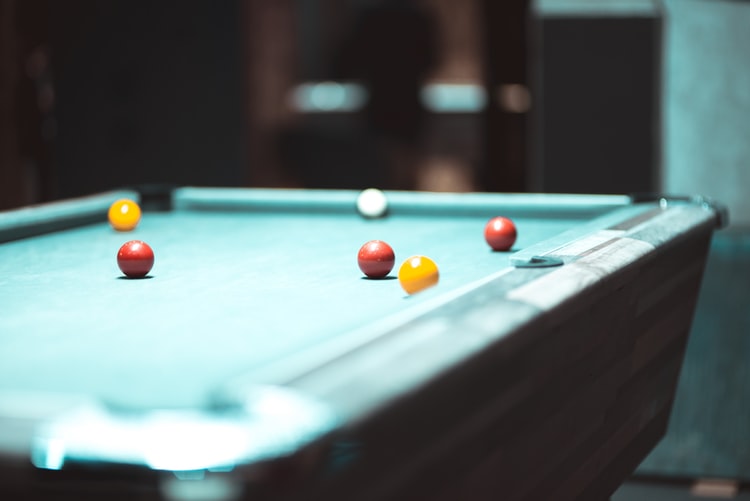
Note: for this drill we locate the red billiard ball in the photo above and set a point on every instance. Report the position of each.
(500, 233)
(376, 259)
(135, 259)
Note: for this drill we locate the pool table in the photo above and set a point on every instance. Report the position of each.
(256, 361)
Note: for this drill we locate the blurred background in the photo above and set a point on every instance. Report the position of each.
(577, 96)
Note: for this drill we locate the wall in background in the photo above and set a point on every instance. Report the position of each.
(595, 76)
(707, 102)
(147, 93)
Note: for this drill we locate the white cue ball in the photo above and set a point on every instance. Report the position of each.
(372, 203)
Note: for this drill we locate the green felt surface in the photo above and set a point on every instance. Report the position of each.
(236, 291)
(228, 292)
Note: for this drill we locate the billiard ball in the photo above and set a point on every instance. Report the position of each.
(376, 259)
(135, 259)
(372, 203)
(417, 274)
(500, 233)
(124, 215)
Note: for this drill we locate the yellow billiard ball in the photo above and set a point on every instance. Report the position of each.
(124, 215)
(418, 273)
